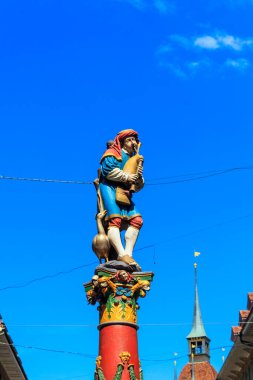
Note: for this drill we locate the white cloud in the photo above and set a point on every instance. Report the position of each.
(197, 65)
(231, 41)
(161, 6)
(221, 41)
(208, 54)
(240, 64)
(206, 42)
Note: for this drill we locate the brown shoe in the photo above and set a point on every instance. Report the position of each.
(128, 260)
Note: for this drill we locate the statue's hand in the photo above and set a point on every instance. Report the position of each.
(132, 178)
(101, 214)
(140, 171)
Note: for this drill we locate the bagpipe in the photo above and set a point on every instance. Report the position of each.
(132, 166)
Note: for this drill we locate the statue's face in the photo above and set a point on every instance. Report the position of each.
(123, 276)
(95, 280)
(125, 356)
(98, 361)
(130, 144)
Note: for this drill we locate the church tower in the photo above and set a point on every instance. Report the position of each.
(198, 367)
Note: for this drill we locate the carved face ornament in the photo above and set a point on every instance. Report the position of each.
(123, 276)
(98, 361)
(94, 280)
(125, 357)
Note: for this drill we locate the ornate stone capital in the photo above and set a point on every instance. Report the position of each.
(117, 293)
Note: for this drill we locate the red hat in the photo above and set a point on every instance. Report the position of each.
(115, 149)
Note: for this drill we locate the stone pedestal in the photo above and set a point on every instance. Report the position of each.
(117, 293)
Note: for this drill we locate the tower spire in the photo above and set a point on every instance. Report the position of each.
(198, 340)
(198, 366)
(198, 329)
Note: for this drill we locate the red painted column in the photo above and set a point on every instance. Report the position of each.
(114, 339)
(117, 293)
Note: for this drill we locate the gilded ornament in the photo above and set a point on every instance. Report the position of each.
(125, 357)
(117, 294)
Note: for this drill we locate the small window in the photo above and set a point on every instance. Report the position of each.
(193, 348)
(199, 347)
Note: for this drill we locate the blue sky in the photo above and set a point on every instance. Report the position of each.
(73, 75)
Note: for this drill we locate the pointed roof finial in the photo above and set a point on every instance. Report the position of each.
(175, 367)
(175, 370)
(198, 329)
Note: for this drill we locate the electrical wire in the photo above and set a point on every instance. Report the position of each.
(219, 172)
(49, 350)
(72, 182)
(42, 278)
(173, 324)
(181, 356)
(203, 173)
(193, 177)
(190, 174)
(88, 356)
(46, 277)
(193, 232)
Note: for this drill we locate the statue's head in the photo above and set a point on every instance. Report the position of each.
(128, 140)
(123, 276)
(109, 144)
(125, 357)
(130, 145)
(94, 280)
(98, 361)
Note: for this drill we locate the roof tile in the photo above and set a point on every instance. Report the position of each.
(202, 371)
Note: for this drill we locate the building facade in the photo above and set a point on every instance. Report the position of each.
(239, 362)
(10, 364)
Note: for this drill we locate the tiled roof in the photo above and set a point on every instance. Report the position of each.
(250, 300)
(243, 317)
(235, 332)
(202, 371)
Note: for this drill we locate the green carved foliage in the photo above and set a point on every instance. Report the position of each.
(119, 372)
(131, 372)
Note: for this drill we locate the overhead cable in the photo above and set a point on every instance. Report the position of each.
(197, 178)
(88, 356)
(194, 232)
(49, 350)
(46, 277)
(80, 325)
(72, 182)
(192, 177)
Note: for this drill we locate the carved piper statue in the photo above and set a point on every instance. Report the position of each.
(120, 175)
(119, 283)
